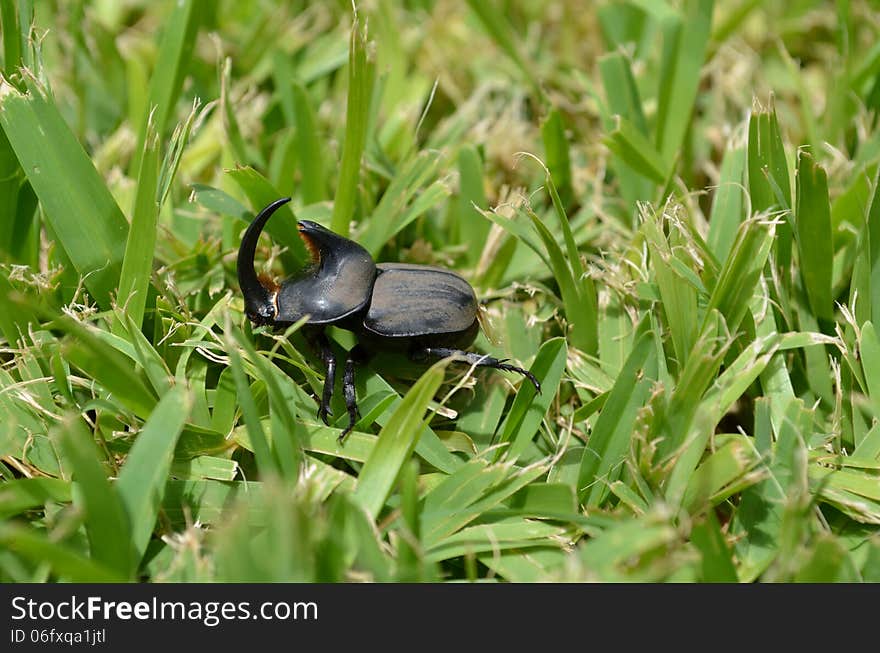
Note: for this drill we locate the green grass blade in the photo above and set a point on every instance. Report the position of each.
(172, 63)
(578, 295)
(513, 533)
(609, 440)
(240, 150)
(471, 496)
(684, 49)
(266, 463)
(411, 566)
(556, 153)
(625, 543)
(396, 441)
(678, 296)
(154, 366)
(16, 312)
(495, 23)
(769, 183)
(142, 479)
(67, 184)
(361, 72)
(394, 209)
(12, 38)
(174, 155)
(716, 564)
(286, 438)
(472, 228)
(634, 149)
(22, 494)
(106, 521)
(715, 478)
(741, 272)
(869, 353)
(310, 150)
(621, 90)
(107, 365)
(137, 264)
(528, 409)
(60, 558)
(871, 237)
(727, 205)
(814, 237)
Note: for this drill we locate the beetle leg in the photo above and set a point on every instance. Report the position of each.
(329, 360)
(348, 391)
(479, 360)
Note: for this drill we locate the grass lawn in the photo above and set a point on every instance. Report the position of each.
(670, 212)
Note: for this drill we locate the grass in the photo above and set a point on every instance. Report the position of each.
(669, 209)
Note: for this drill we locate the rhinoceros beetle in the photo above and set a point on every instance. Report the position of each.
(418, 310)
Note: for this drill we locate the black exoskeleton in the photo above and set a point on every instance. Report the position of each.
(423, 311)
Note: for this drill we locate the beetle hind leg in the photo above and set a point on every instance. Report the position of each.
(478, 360)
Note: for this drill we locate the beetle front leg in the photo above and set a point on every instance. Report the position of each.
(478, 360)
(329, 359)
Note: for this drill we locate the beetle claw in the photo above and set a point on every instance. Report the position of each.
(324, 414)
(348, 429)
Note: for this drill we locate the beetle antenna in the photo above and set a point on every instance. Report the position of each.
(259, 302)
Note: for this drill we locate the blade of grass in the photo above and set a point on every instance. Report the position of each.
(621, 90)
(869, 353)
(677, 297)
(868, 284)
(716, 564)
(578, 292)
(22, 494)
(67, 184)
(634, 149)
(815, 244)
(107, 524)
(715, 478)
(741, 272)
(310, 148)
(240, 150)
(411, 566)
(174, 154)
(107, 365)
(266, 463)
(12, 35)
(63, 561)
(404, 191)
(142, 479)
(285, 428)
(172, 63)
(611, 435)
(768, 173)
(361, 72)
(684, 50)
(501, 31)
(472, 228)
(528, 409)
(557, 154)
(727, 205)
(396, 441)
(137, 263)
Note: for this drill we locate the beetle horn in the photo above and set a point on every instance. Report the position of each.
(259, 302)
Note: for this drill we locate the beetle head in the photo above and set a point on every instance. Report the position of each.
(259, 300)
(337, 284)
